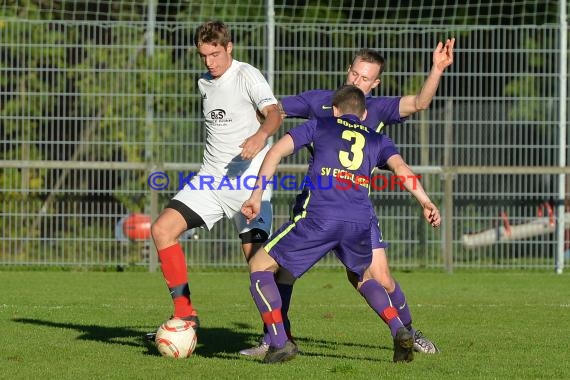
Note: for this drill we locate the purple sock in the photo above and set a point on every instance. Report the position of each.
(378, 299)
(266, 337)
(285, 291)
(266, 297)
(399, 301)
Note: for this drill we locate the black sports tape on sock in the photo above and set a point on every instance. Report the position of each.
(179, 291)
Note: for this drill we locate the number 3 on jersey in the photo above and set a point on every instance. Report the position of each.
(356, 149)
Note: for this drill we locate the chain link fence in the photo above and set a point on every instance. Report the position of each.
(91, 108)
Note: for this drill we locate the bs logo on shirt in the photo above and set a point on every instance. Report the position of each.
(217, 114)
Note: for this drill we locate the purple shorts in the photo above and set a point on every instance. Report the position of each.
(298, 245)
(376, 235)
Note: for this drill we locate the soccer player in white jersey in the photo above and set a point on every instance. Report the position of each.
(232, 93)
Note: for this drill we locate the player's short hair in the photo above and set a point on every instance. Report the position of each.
(370, 56)
(350, 99)
(213, 33)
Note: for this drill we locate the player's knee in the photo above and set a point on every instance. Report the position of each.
(261, 261)
(384, 278)
(387, 281)
(158, 231)
(167, 229)
(254, 236)
(391, 285)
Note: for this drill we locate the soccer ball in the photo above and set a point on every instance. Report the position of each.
(176, 338)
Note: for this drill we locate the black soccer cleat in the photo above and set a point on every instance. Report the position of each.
(403, 346)
(280, 355)
(193, 319)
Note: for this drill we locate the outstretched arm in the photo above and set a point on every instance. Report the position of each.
(271, 121)
(412, 184)
(442, 58)
(283, 147)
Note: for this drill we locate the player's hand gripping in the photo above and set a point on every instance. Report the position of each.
(252, 145)
(250, 209)
(431, 213)
(443, 54)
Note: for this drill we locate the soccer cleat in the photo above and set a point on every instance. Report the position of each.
(193, 319)
(259, 350)
(423, 344)
(403, 346)
(280, 355)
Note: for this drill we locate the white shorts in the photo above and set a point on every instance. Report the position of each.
(213, 198)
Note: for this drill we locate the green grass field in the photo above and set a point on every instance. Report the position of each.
(89, 325)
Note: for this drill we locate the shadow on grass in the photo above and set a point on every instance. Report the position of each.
(213, 342)
(334, 349)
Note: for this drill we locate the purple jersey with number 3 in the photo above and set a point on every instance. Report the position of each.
(318, 103)
(344, 151)
(338, 214)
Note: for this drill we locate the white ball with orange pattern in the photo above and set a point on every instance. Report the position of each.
(176, 338)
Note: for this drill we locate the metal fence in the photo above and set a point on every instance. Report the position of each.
(87, 118)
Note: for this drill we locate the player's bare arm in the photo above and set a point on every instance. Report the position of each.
(281, 111)
(441, 59)
(270, 125)
(284, 147)
(414, 187)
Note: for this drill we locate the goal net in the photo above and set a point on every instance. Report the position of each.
(417, 12)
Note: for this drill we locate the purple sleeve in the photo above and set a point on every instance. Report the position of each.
(303, 134)
(309, 104)
(384, 109)
(296, 106)
(387, 150)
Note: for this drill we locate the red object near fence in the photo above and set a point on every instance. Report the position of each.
(137, 227)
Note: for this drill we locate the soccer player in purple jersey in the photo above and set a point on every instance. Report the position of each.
(336, 217)
(364, 73)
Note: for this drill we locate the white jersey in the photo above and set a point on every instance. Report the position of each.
(230, 103)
